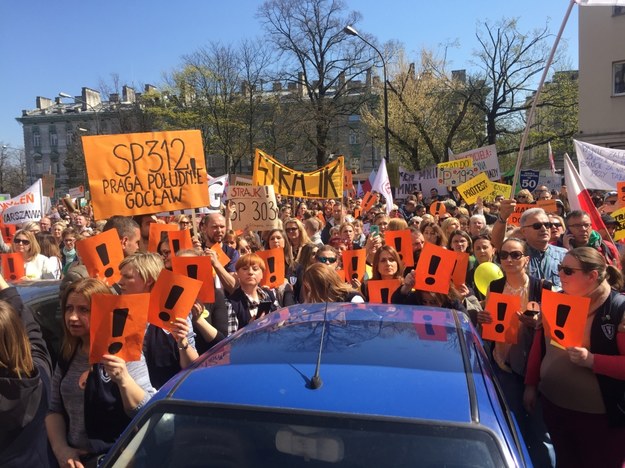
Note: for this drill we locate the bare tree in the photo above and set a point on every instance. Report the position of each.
(321, 60)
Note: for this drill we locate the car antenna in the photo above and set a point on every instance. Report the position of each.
(315, 382)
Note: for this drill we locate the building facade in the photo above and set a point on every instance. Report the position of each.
(602, 76)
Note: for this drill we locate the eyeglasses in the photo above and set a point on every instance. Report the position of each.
(514, 255)
(537, 226)
(184, 222)
(69, 241)
(568, 271)
(291, 229)
(583, 226)
(327, 259)
(21, 241)
(556, 225)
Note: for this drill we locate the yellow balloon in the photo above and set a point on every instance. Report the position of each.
(484, 274)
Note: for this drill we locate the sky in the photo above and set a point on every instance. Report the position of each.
(47, 47)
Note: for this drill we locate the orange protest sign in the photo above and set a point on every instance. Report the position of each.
(503, 310)
(341, 274)
(437, 208)
(13, 266)
(381, 291)
(141, 173)
(620, 194)
(156, 234)
(221, 255)
(434, 268)
(348, 181)
(549, 206)
(459, 275)
(431, 325)
(199, 268)
(515, 218)
(273, 276)
(101, 254)
(172, 297)
(357, 213)
(180, 240)
(8, 231)
(402, 242)
(564, 317)
(354, 264)
(118, 326)
(368, 201)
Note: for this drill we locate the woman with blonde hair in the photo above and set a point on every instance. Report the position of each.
(524, 196)
(277, 239)
(449, 225)
(36, 265)
(296, 235)
(397, 224)
(323, 284)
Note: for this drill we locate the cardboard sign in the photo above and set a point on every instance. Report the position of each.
(27, 206)
(430, 325)
(156, 233)
(172, 296)
(401, 241)
(257, 209)
(504, 190)
(434, 269)
(179, 240)
(354, 264)
(619, 215)
(479, 186)
(503, 310)
(357, 213)
(13, 266)
(8, 231)
(454, 173)
(368, 200)
(620, 197)
(381, 291)
(325, 182)
(410, 181)
(437, 208)
(221, 255)
(216, 189)
(274, 267)
(484, 160)
(549, 206)
(101, 254)
(141, 173)
(118, 326)
(515, 218)
(564, 317)
(459, 275)
(199, 268)
(348, 180)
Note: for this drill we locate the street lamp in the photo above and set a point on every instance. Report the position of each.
(95, 112)
(349, 30)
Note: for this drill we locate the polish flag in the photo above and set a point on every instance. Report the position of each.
(382, 185)
(579, 198)
(551, 161)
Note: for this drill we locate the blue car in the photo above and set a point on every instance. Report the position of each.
(332, 385)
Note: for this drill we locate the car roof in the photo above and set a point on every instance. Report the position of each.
(37, 289)
(386, 360)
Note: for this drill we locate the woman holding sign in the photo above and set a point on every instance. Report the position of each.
(583, 387)
(387, 265)
(90, 406)
(36, 265)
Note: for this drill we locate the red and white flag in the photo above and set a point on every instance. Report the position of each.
(579, 197)
(382, 185)
(551, 161)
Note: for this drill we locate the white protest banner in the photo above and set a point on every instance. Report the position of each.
(256, 207)
(484, 158)
(599, 167)
(552, 182)
(454, 173)
(409, 181)
(216, 188)
(77, 192)
(27, 206)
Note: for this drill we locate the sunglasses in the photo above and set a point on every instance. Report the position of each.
(537, 226)
(327, 259)
(556, 225)
(291, 229)
(515, 255)
(21, 241)
(568, 271)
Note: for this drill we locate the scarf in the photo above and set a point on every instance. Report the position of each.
(70, 255)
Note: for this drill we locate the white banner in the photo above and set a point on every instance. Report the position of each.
(410, 181)
(485, 159)
(599, 167)
(216, 189)
(27, 206)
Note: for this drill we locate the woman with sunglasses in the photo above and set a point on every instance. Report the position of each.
(583, 388)
(524, 196)
(511, 360)
(296, 235)
(36, 265)
(556, 230)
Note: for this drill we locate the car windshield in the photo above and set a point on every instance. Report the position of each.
(177, 435)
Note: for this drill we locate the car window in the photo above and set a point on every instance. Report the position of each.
(47, 312)
(188, 436)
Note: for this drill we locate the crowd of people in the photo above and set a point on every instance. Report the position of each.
(568, 402)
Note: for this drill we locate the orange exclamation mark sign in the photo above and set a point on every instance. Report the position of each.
(104, 258)
(119, 321)
(501, 315)
(562, 313)
(172, 298)
(271, 264)
(434, 262)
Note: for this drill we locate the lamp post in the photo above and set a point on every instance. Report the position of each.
(95, 112)
(349, 30)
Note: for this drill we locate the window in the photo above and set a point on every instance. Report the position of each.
(618, 10)
(70, 137)
(54, 163)
(353, 137)
(36, 139)
(54, 139)
(618, 72)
